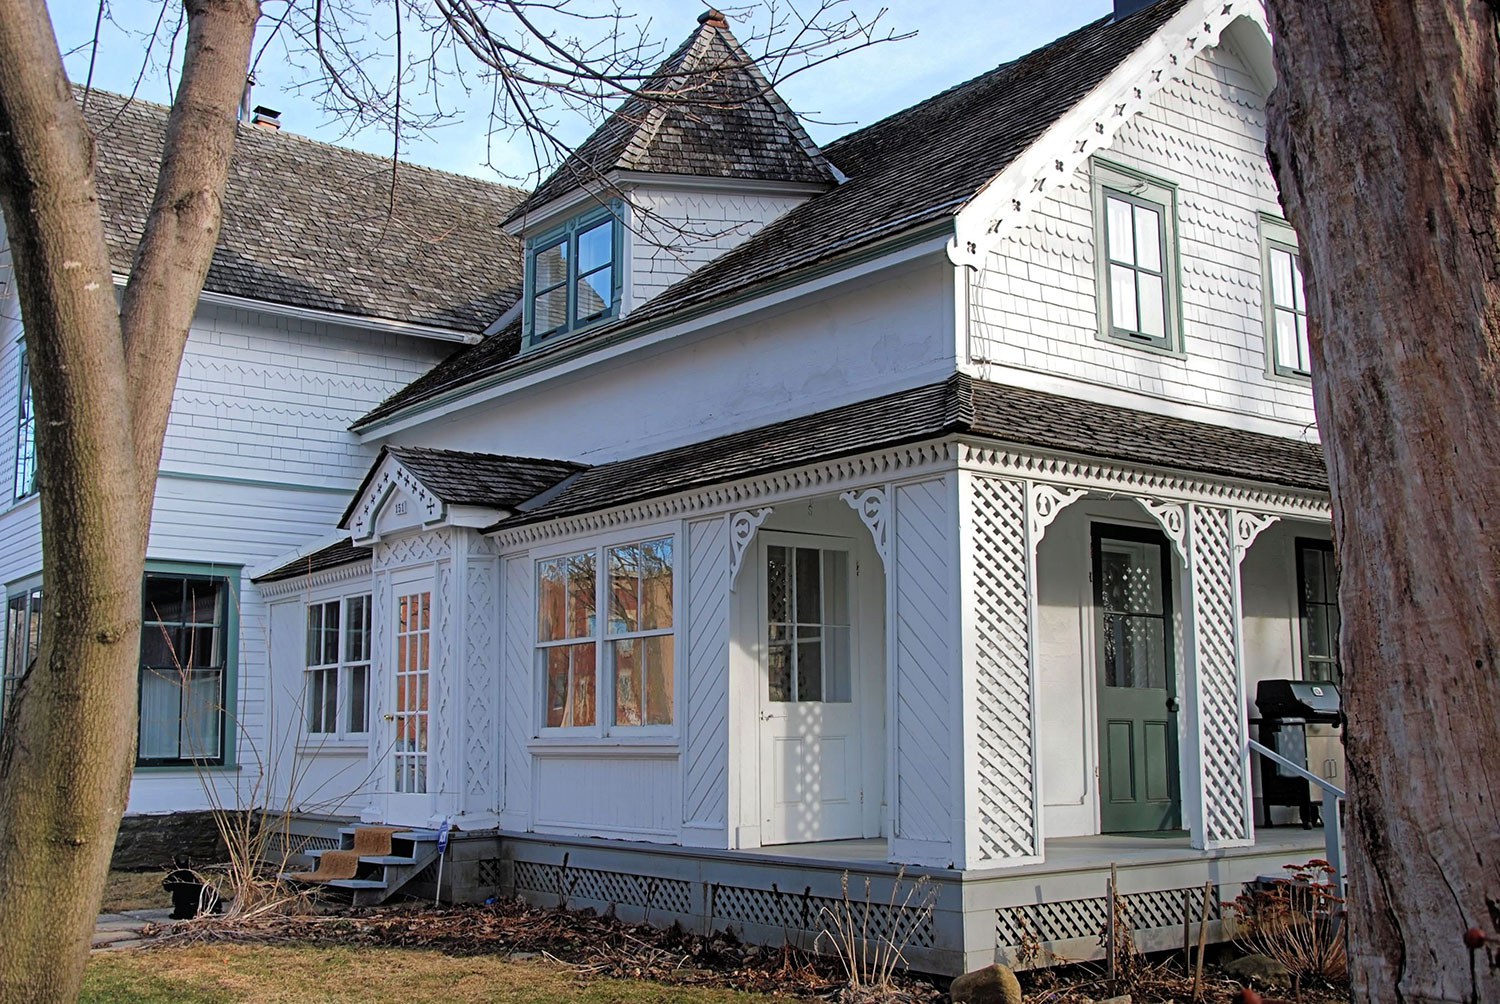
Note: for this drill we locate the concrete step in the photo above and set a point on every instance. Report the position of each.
(357, 884)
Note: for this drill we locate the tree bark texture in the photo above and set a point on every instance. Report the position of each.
(1385, 140)
(102, 384)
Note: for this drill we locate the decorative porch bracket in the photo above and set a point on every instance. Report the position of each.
(871, 504)
(742, 527)
(1047, 503)
(1247, 526)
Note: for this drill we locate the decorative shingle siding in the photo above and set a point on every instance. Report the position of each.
(679, 231)
(272, 398)
(1034, 306)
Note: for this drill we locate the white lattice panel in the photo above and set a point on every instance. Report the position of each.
(647, 892)
(706, 761)
(1007, 804)
(413, 550)
(1073, 919)
(1218, 679)
(441, 770)
(516, 688)
(735, 905)
(923, 613)
(479, 679)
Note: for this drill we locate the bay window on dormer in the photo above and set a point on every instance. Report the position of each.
(573, 275)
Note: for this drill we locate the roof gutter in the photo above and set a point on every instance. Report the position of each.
(591, 351)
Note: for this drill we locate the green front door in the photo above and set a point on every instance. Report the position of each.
(1139, 784)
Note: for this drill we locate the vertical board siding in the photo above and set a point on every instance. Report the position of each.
(614, 795)
(481, 636)
(924, 613)
(1034, 307)
(516, 690)
(706, 749)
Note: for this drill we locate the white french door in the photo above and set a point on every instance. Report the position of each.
(810, 749)
(408, 725)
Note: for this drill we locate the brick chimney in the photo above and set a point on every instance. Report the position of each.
(266, 118)
(713, 18)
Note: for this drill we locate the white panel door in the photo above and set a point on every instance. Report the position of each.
(408, 724)
(810, 762)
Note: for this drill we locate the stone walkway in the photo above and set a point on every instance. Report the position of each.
(115, 931)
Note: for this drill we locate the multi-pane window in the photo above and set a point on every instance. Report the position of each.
(338, 666)
(25, 470)
(23, 639)
(623, 662)
(572, 274)
(413, 669)
(1136, 258)
(1286, 303)
(185, 642)
(1134, 614)
(807, 631)
(1318, 608)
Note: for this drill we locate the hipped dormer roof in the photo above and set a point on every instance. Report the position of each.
(707, 112)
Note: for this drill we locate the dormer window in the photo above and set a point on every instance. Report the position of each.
(573, 275)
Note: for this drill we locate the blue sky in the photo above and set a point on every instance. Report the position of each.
(954, 41)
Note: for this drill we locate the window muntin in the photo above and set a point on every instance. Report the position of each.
(573, 275)
(807, 630)
(1135, 228)
(23, 640)
(1318, 610)
(338, 667)
(1286, 310)
(623, 663)
(183, 669)
(25, 470)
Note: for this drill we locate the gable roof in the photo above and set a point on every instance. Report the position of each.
(716, 116)
(909, 172)
(959, 405)
(308, 224)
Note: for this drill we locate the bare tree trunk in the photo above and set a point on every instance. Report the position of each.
(103, 393)
(1385, 139)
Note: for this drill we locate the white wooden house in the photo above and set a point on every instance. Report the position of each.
(931, 501)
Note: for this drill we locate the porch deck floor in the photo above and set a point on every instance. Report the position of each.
(1077, 853)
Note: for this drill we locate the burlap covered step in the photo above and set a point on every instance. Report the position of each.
(343, 864)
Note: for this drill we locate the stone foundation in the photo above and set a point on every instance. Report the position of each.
(155, 841)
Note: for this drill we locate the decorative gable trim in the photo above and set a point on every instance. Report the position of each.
(1008, 199)
(390, 478)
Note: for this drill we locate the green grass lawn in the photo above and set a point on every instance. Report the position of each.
(225, 974)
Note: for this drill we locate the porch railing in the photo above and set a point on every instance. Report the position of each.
(1333, 821)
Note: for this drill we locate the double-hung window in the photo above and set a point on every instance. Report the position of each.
(25, 469)
(338, 667)
(573, 275)
(188, 635)
(1318, 610)
(1285, 302)
(23, 639)
(616, 673)
(1136, 252)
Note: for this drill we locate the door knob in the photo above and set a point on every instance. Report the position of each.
(1172, 705)
(390, 718)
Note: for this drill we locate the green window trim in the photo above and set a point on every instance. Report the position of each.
(571, 271)
(229, 628)
(24, 483)
(1290, 361)
(1157, 324)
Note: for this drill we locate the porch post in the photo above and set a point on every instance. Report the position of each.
(1216, 682)
(1001, 790)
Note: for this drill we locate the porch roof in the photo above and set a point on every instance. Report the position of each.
(958, 405)
(340, 552)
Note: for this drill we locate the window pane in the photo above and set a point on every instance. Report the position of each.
(359, 684)
(550, 310)
(595, 293)
(570, 685)
(551, 266)
(159, 648)
(1319, 632)
(778, 585)
(581, 595)
(596, 246)
(1281, 278)
(660, 692)
(627, 657)
(1287, 348)
(809, 664)
(1148, 238)
(1118, 225)
(1304, 358)
(656, 584)
(779, 662)
(1298, 301)
(809, 588)
(357, 632)
(837, 669)
(551, 599)
(161, 709)
(624, 588)
(1314, 589)
(202, 604)
(1153, 305)
(161, 600)
(330, 634)
(314, 632)
(1122, 297)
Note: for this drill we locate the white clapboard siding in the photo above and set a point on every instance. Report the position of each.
(924, 614)
(1033, 307)
(706, 745)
